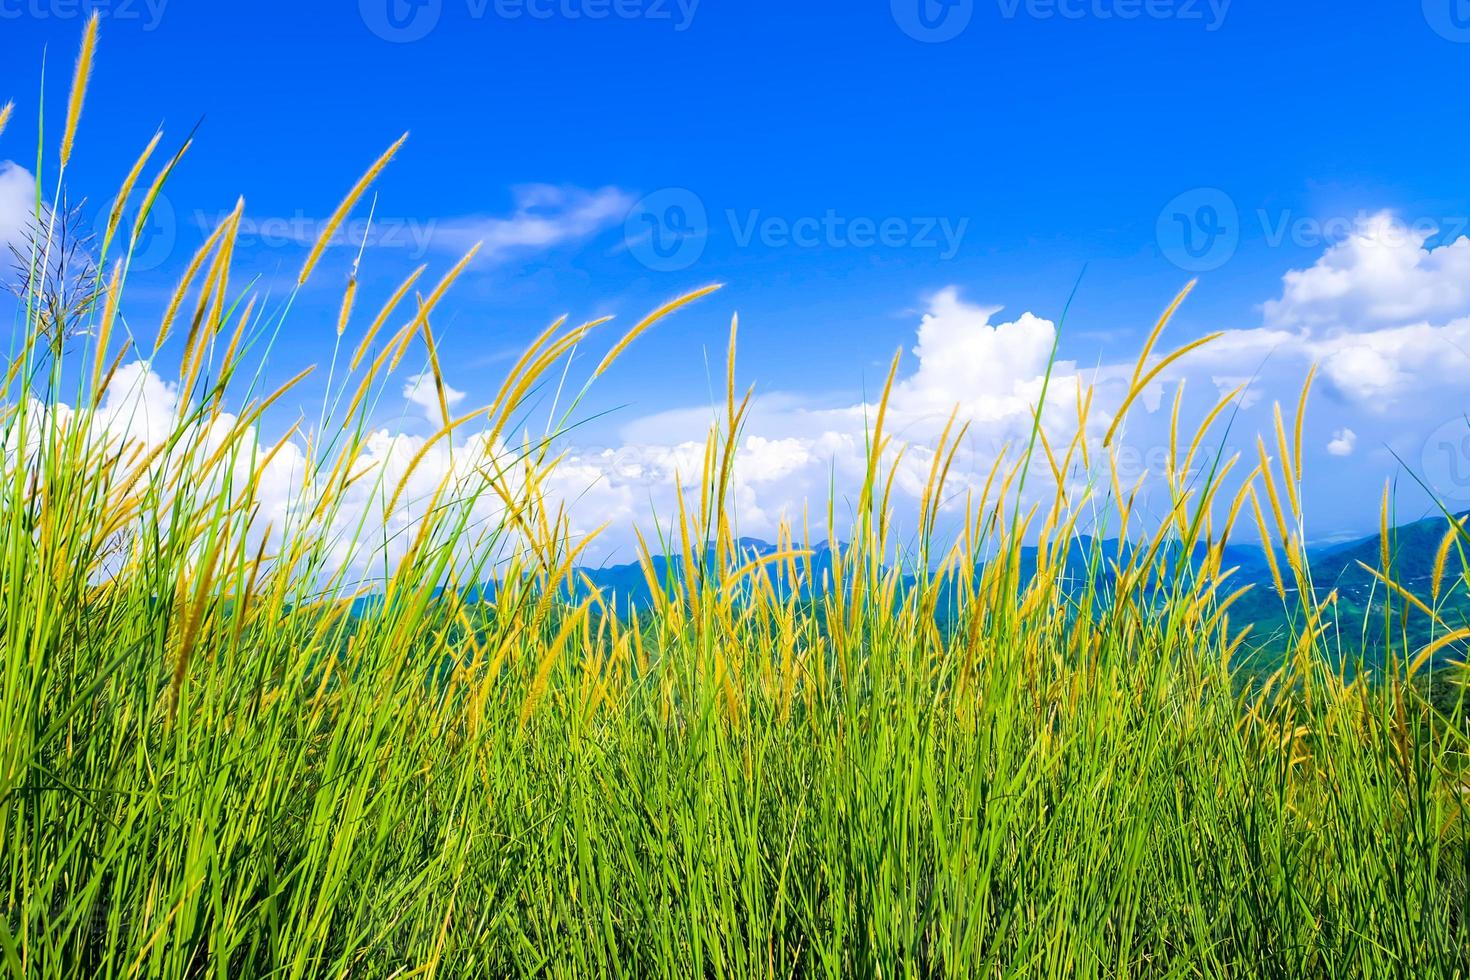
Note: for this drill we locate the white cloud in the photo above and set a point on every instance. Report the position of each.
(991, 372)
(140, 407)
(1382, 367)
(1344, 441)
(1385, 318)
(545, 216)
(1381, 275)
(17, 205)
(140, 412)
(420, 390)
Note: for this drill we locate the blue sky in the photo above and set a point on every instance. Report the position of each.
(1001, 150)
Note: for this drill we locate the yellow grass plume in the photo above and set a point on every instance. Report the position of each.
(82, 75)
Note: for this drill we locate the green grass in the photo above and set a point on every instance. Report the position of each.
(209, 766)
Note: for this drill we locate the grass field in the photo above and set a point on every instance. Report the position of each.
(216, 760)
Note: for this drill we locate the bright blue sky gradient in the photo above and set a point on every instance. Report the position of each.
(1054, 141)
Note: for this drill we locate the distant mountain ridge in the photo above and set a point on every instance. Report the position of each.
(1362, 621)
(1333, 566)
(1363, 599)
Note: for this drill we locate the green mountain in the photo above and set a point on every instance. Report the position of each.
(1367, 620)
(1369, 616)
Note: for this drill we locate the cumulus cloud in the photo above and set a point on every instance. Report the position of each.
(1386, 318)
(395, 476)
(17, 203)
(991, 372)
(421, 390)
(1380, 276)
